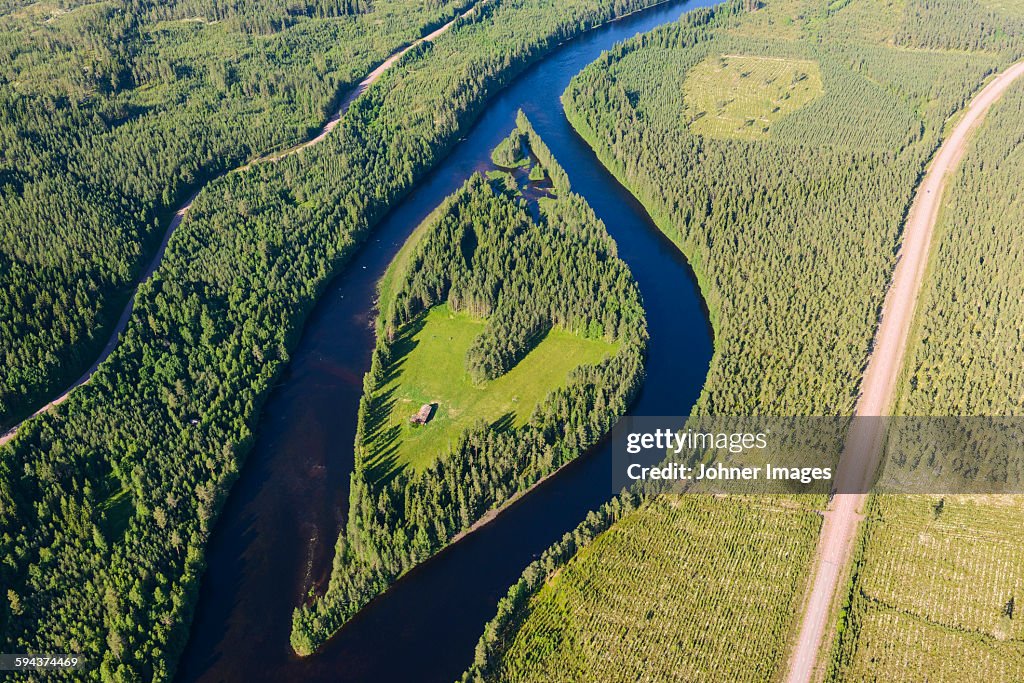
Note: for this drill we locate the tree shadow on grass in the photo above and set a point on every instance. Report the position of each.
(380, 409)
(383, 465)
(382, 439)
(505, 423)
(402, 346)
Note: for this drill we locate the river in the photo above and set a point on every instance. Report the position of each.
(275, 537)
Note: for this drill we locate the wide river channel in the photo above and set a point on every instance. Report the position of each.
(275, 537)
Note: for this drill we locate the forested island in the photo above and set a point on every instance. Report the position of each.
(481, 288)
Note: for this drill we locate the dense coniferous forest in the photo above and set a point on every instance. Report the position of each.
(967, 348)
(483, 253)
(792, 233)
(107, 502)
(114, 113)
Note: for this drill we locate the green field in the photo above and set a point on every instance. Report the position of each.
(431, 368)
(937, 580)
(741, 96)
(711, 603)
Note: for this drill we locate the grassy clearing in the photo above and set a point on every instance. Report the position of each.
(736, 96)
(671, 581)
(431, 368)
(116, 512)
(939, 576)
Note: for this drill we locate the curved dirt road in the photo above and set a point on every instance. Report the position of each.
(863, 447)
(179, 215)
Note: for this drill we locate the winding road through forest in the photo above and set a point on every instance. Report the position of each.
(179, 215)
(863, 448)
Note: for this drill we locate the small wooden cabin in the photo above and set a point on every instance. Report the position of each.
(424, 415)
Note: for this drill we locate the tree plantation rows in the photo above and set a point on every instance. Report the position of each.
(482, 253)
(711, 601)
(935, 575)
(112, 114)
(792, 236)
(958, 578)
(106, 505)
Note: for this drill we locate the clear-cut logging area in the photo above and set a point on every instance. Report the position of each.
(860, 457)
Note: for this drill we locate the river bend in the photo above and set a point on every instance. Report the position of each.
(274, 540)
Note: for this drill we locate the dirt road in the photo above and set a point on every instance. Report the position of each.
(864, 443)
(179, 215)
(370, 79)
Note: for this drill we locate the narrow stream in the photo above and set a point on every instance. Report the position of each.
(275, 537)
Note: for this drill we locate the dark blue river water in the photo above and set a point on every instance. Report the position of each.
(275, 538)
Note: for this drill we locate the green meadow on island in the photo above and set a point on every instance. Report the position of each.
(433, 372)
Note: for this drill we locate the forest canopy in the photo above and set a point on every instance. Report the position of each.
(107, 502)
(114, 113)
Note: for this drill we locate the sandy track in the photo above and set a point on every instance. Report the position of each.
(863, 447)
(179, 215)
